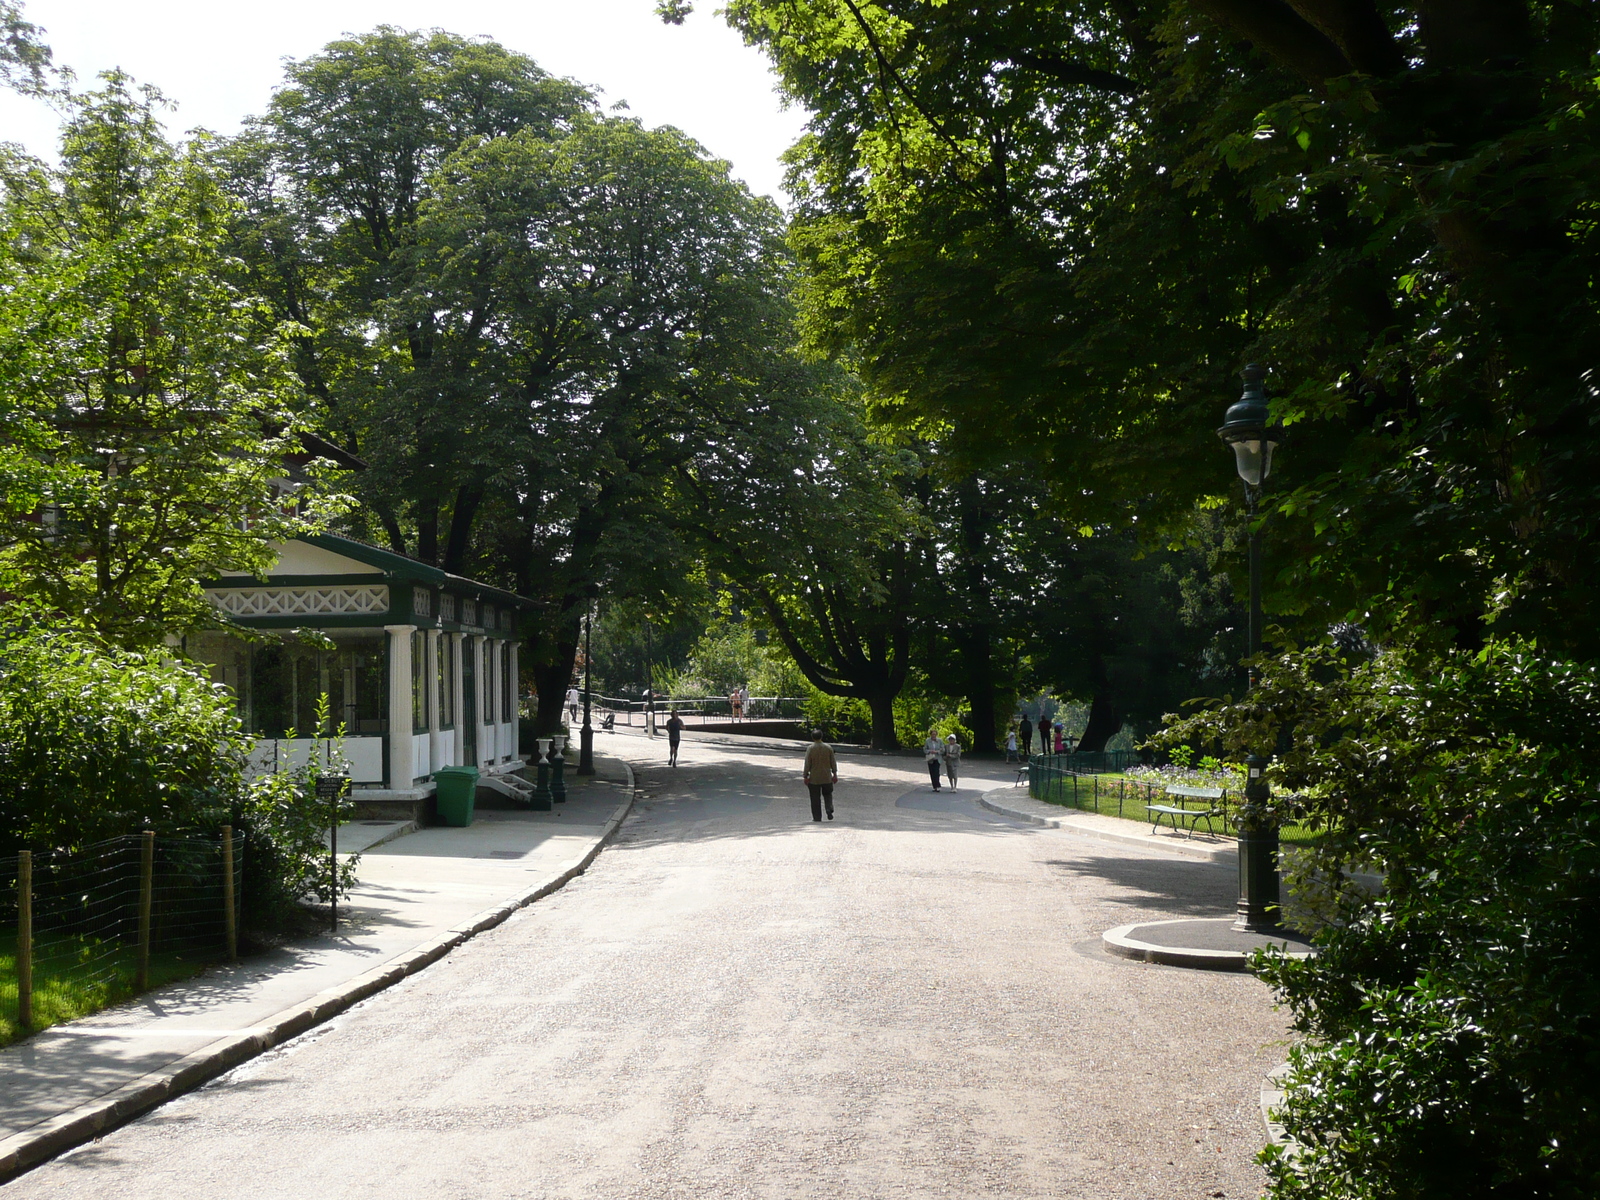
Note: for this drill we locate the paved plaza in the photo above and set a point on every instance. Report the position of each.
(734, 1001)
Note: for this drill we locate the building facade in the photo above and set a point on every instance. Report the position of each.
(419, 666)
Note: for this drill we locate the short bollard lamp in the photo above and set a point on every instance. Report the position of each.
(1247, 429)
(541, 785)
(558, 772)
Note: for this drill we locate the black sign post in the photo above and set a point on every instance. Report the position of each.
(332, 789)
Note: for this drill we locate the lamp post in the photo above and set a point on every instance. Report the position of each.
(1245, 428)
(586, 734)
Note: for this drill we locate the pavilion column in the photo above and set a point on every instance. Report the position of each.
(456, 711)
(400, 776)
(516, 699)
(431, 681)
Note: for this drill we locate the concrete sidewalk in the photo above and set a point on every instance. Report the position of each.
(418, 897)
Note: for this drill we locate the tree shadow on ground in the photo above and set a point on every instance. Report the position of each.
(1179, 886)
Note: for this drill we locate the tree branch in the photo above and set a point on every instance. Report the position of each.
(1282, 34)
(1064, 70)
(1357, 28)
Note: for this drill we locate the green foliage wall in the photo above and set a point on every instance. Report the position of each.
(1452, 1025)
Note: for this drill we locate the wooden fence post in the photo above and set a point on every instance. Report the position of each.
(25, 939)
(147, 871)
(229, 919)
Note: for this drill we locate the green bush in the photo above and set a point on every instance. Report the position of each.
(1451, 1025)
(97, 742)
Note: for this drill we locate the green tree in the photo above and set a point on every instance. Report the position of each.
(145, 400)
(331, 182)
(1067, 225)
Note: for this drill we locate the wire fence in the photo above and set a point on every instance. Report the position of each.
(83, 929)
(705, 709)
(1077, 781)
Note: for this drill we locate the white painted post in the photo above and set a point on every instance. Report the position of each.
(457, 759)
(491, 699)
(400, 776)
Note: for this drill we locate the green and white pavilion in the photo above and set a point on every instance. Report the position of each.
(422, 671)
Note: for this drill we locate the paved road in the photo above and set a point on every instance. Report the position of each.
(736, 1002)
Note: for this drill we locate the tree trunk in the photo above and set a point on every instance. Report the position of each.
(551, 678)
(1105, 720)
(977, 651)
(883, 735)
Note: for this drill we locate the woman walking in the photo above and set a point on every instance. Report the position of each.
(952, 758)
(932, 750)
(1011, 744)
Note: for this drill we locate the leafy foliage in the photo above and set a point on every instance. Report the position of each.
(145, 400)
(1453, 1022)
(1057, 229)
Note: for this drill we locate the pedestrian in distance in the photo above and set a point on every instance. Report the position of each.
(1011, 745)
(735, 705)
(933, 751)
(572, 703)
(952, 758)
(1025, 732)
(821, 773)
(744, 701)
(1061, 741)
(674, 733)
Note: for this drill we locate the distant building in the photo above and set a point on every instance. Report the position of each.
(422, 672)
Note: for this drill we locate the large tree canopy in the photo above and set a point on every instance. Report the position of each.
(145, 401)
(1068, 225)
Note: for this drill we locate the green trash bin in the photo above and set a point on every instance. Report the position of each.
(457, 792)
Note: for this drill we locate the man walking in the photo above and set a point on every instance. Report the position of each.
(674, 732)
(572, 702)
(1025, 733)
(821, 773)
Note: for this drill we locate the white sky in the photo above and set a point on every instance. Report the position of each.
(220, 59)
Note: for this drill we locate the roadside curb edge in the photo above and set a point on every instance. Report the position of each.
(23, 1151)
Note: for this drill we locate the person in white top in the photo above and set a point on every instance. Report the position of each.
(744, 701)
(1011, 744)
(952, 758)
(932, 749)
(572, 702)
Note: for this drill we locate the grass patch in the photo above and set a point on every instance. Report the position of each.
(1115, 795)
(75, 977)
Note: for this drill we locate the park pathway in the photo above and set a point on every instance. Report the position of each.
(909, 1001)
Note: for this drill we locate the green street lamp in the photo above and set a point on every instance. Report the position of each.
(1246, 428)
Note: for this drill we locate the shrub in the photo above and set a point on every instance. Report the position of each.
(97, 742)
(1452, 1025)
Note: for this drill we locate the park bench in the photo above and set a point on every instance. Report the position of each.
(1210, 799)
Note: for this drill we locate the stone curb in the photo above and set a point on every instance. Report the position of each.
(1120, 942)
(22, 1151)
(1008, 803)
(1271, 1098)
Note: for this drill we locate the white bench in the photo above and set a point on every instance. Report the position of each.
(1209, 797)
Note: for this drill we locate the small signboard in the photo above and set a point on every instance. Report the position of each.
(332, 787)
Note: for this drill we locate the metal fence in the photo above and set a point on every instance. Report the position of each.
(1082, 782)
(84, 929)
(700, 709)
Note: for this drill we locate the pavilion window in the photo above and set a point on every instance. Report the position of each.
(507, 707)
(419, 682)
(277, 684)
(488, 683)
(447, 661)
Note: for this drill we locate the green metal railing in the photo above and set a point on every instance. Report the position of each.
(1079, 781)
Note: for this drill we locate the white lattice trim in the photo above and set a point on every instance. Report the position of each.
(300, 601)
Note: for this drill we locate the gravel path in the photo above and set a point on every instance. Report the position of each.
(909, 1001)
